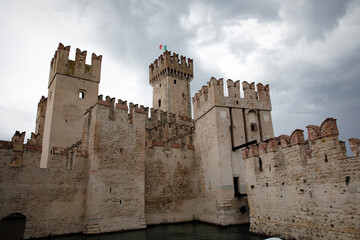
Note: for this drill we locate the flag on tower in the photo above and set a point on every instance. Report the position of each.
(163, 47)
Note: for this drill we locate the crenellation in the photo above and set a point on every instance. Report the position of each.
(213, 95)
(297, 137)
(249, 90)
(355, 146)
(273, 144)
(18, 141)
(61, 64)
(170, 65)
(18, 149)
(35, 139)
(285, 140)
(263, 92)
(233, 88)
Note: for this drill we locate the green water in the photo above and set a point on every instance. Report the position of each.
(194, 230)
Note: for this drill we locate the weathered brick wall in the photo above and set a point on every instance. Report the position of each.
(115, 139)
(53, 199)
(304, 190)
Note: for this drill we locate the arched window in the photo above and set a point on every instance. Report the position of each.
(81, 93)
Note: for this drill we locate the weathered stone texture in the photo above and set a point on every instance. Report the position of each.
(304, 190)
(53, 200)
(170, 190)
(116, 187)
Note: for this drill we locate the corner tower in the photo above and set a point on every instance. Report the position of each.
(170, 78)
(73, 88)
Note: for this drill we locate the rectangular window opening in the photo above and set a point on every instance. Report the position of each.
(253, 127)
(81, 93)
(236, 187)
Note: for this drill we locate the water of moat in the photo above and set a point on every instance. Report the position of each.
(193, 230)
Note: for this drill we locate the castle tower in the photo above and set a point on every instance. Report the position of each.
(170, 79)
(73, 88)
(224, 125)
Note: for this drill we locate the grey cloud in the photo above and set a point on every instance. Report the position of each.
(313, 19)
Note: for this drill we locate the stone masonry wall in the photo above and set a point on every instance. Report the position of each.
(115, 139)
(216, 202)
(170, 190)
(304, 190)
(52, 199)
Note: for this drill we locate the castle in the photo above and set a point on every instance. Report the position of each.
(97, 165)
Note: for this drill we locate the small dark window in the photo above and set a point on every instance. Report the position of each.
(81, 94)
(237, 102)
(174, 81)
(159, 103)
(260, 165)
(236, 187)
(160, 84)
(253, 127)
(183, 94)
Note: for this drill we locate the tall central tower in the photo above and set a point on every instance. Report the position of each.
(170, 79)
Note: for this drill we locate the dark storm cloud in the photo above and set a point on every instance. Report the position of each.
(306, 51)
(314, 19)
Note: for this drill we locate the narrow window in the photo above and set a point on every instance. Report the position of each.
(253, 127)
(236, 187)
(183, 94)
(159, 103)
(81, 94)
(160, 84)
(174, 81)
(260, 165)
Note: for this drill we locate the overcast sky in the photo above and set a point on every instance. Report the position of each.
(308, 51)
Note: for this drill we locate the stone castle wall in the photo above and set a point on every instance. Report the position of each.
(52, 199)
(304, 189)
(114, 137)
(170, 171)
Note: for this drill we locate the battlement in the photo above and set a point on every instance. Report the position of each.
(171, 65)
(323, 143)
(213, 94)
(162, 128)
(61, 64)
